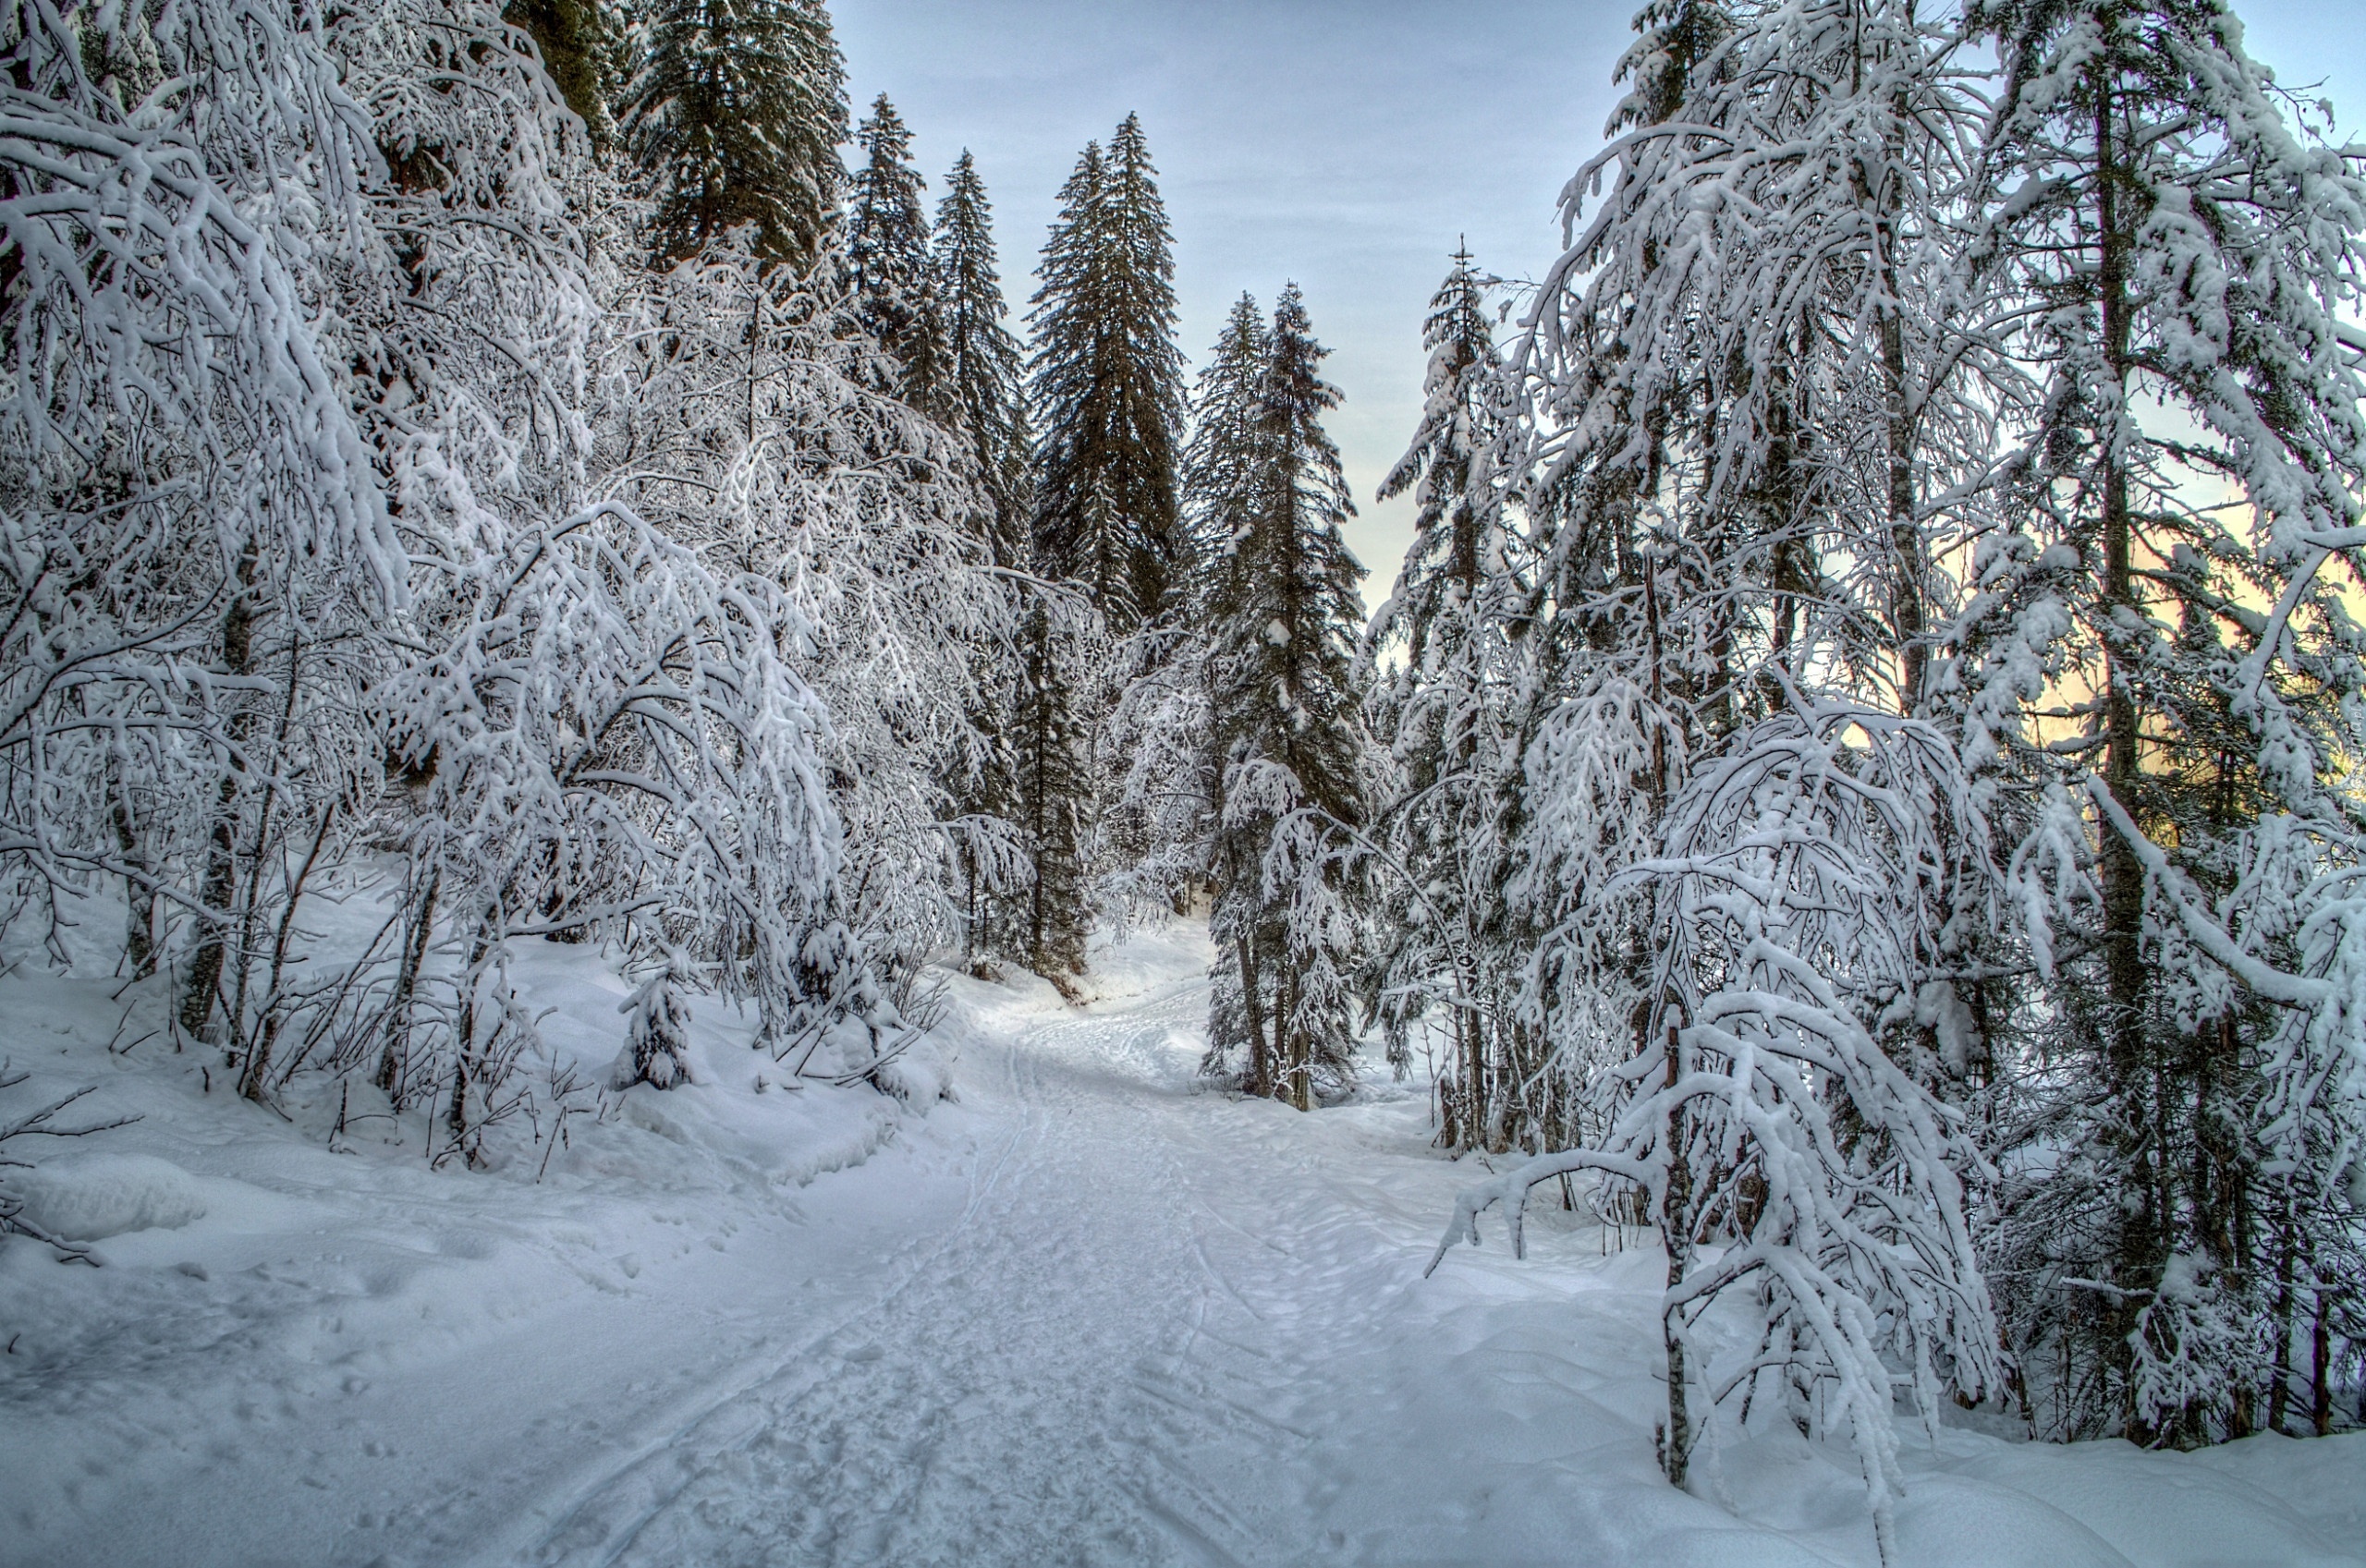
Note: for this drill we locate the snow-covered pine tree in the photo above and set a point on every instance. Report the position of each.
(1444, 709)
(733, 116)
(1774, 1139)
(657, 1028)
(1050, 748)
(1289, 749)
(1223, 464)
(1106, 395)
(1108, 387)
(1053, 719)
(2173, 241)
(1590, 469)
(888, 254)
(1729, 412)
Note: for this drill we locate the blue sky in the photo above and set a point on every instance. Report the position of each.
(1346, 144)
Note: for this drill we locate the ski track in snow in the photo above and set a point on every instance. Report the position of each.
(1093, 1314)
(1065, 1378)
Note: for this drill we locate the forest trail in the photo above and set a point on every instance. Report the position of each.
(1091, 1313)
(1166, 1326)
(1112, 1355)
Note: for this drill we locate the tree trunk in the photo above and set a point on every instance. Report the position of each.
(2139, 1251)
(2321, 1356)
(1676, 1231)
(1258, 1081)
(464, 1059)
(2279, 1388)
(140, 897)
(398, 1047)
(220, 885)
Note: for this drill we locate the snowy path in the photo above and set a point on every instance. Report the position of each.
(1092, 1314)
(1168, 1327)
(1104, 1359)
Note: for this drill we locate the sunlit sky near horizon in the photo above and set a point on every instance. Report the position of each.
(1345, 144)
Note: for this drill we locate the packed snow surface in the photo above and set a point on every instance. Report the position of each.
(1088, 1312)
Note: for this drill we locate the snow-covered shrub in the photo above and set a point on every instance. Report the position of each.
(738, 409)
(608, 736)
(657, 1031)
(42, 1207)
(1782, 1130)
(180, 455)
(91, 1196)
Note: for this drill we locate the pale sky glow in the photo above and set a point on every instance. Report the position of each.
(1344, 143)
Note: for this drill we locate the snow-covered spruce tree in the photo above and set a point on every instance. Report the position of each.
(657, 1031)
(1052, 714)
(1289, 750)
(1162, 724)
(1758, 315)
(1052, 753)
(1748, 425)
(734, 116)
(1780, 1138)
(888, 254)
(2173, 242)
(1444, 711)
(1743, 418)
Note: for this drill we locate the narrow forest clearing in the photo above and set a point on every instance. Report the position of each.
(1090, 1312)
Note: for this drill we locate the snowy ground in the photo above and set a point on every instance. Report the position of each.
(1087, 1314)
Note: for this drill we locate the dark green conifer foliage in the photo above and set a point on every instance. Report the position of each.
(972, 382)
(1444, 571)
(735, 116)
(978, 385)
(1283, 611)
(1052, 747)
(573, 36)
(1223, 469)
(1108, 387)
(887, 245)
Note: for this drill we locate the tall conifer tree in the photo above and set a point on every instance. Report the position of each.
(1290, 751)
(734, 117)
(1108, 386)
(1446, 711)
(980, 387)
(887, 250)
(975, 384)
(2174, 243)
(574, 39)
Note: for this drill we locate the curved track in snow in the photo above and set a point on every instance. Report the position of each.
(1094, 1363)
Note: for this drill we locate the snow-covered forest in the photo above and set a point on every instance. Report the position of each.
(579, 655)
